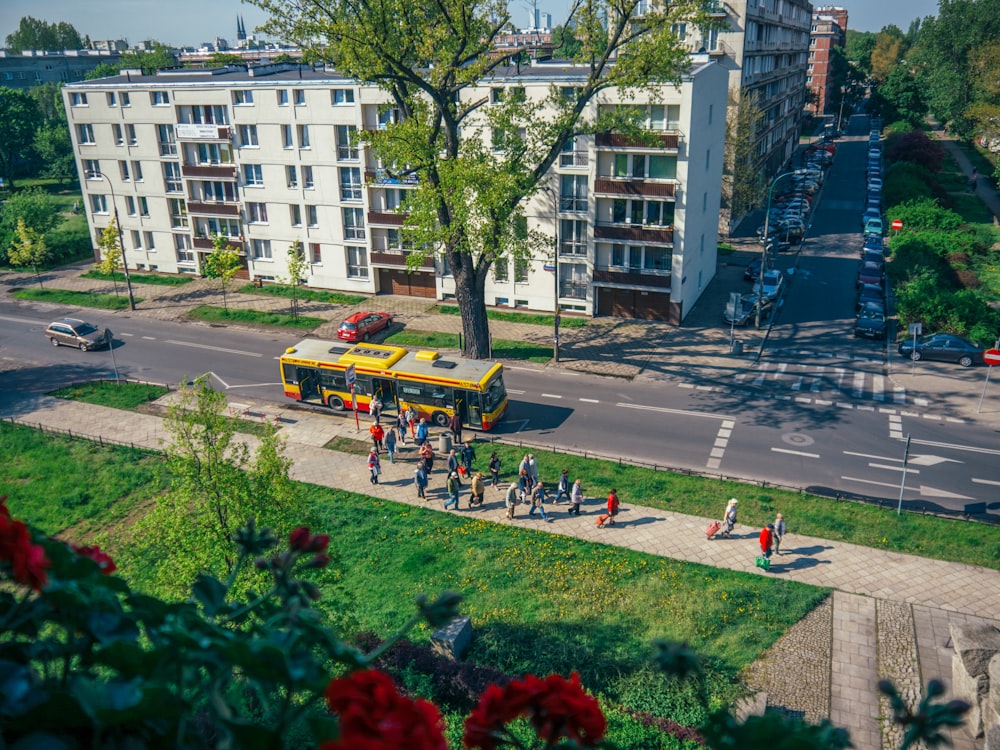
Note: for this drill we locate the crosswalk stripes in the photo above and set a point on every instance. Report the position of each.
(899, 395)
(833, 381)
(878, 388)
(859, 384)
(759, 380)
(817, 383)
(797, 385)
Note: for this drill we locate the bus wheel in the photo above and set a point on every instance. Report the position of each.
(440, 418)
(336, 403)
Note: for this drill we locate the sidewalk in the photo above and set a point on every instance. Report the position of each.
(889, 608)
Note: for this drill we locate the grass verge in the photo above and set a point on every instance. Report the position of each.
(502, 348)
(138, 278)
(117, 395)
(81, 299)
(212, 314)
(306, 295)
(538, 319)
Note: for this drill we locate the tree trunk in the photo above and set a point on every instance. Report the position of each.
(469, 291)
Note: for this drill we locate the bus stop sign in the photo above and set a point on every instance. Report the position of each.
(350, 374)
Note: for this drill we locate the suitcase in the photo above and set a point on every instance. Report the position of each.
(713, 528)
(603, 518)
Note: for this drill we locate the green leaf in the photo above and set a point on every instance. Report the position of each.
(210, 593)
(324, 728)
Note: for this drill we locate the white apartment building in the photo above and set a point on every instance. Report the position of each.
(270, 154)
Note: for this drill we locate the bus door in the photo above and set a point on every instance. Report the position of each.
(309, 387)
(385, 389)
(468, 405)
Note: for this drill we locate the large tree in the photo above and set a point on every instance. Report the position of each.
(742, 180)
(148, 61)
(19, 118)
(429, 56)
(34, 34)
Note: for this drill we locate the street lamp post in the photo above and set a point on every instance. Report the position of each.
(767, 238)
(555, 266)
(840, 115)
(121, 239)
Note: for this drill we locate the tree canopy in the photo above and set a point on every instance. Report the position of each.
(20, 117)
(34, 34)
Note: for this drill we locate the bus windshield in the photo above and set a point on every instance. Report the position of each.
(494, 393)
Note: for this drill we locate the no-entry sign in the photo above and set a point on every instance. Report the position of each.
(991, 357)
(897, 224)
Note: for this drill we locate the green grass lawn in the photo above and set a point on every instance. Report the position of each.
(502, 348)
(538, 319)
(212, 314)
(305, 295)
(118, 395)
(138, 278)
(81, 299)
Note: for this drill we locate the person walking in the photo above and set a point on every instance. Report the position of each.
(524, 484)
(779, 533)
(453, 464)
(420, 479)
(390, 444)
(494, 467)
(523, 466)
(511, 499)
(973, 180)
(455, 425)
(453, 488)
(613, 506)
(375, 407)
(478, 489)
(729, 519)
(562, 488)
(532, 469)
(378, 434)
(468, 456)
(411, 419)
(538, 501)
(575, 498)
(766, 540)
(422, 432)
(427, 456)
(374, 466)
(404, 424)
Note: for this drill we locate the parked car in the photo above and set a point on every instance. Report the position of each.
(361, 325)
(873, 242)
(76, 333)
(870, 273)
(752, 271)
(871, 322)
(874, 183)
(874, 226)
(770, 284)
(945, 347)
(747, 311)
(873, 256)
(869, 214)
(870, 293)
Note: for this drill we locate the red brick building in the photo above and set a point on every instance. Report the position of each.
(828, 30)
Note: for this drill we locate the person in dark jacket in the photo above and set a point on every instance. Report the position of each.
(455, 425)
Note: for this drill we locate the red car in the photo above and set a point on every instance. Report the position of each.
(361, 325)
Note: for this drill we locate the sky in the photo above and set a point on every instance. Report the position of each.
(190, 22)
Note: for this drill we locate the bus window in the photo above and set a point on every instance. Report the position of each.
(291, 374)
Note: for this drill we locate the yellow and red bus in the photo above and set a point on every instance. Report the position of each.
(436, 386)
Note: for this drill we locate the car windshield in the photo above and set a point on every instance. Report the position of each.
(85, 329)
(494, 393)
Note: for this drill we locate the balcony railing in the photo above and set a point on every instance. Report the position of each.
(398, 260)
(574, 159)
(210, 171)
(573, 289)
(633, 188)
(205, 243)
(634, 233)
(203, 132)
(618, 140)
(612, 275)
(386, 219)
(382, 177)
(213, 209)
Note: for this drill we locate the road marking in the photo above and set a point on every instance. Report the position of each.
(145, 338)
(932, 460)
(515, 391)
(739, 377)
(893, 468)
(956, 446)
(986, 481)
(868, 481)
(704, 388)
(729, 424)
(870, 455)
(717, 452)
(665, 410)
(842, 405)
(933, 416)
(899, 395)
(910, 413)
(823, 402)
(817, 382)
(29, 321)
(590, 400)
(921, 402)
(713, 463)
(797, 385)
(803, 400)
(795, 453)
(859, 384)
(213, 348)
(954, 421)
(878, 387)
(126, 335)
(895, 427)
(782, 366)
(840, 375)
(866, 408)
(550, 395)
(883, 410)
(759, 380)
(724, 433)
(935, 492)
(721, 442)
(685, 385)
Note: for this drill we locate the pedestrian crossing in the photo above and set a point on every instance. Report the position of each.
(824, 379)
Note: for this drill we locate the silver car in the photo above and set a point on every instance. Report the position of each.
(77, 333)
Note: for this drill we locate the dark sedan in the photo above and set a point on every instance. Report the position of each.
(945, 347)
(870, 293)
(871, 322)
(870, 273)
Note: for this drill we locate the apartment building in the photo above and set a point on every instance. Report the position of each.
(22, 70)
(828, 31)
(270, 154)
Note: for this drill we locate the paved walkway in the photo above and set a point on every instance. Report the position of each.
(851, 651)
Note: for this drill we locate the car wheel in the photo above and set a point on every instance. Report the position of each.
(440, 418)
(915, 355)
(336, 403)
(965, 361)
(83, 346)
(54, 342)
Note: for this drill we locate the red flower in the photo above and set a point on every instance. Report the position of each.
(299, 538)
(103, 559)
(555, 706)
(27, 561)
(374, 716)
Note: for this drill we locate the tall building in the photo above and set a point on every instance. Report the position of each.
(33, 68)
(828, 31)
(271, 154)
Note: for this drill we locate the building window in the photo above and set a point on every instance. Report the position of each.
(347, 145)
(248, 136)
(77, 99)
(257, 213)
(659, 214)
(520, 270)
(299, 97)
(496, 95)
(573, 154)
(85, 134)
(293, 178)
(357, 262)
(501, 269)
(126, 99)
(149, 243)
(117, 135)
(159, 98)
(99, 204)
(183, 249)
(572, 192)
(242, 97)
(253, 175)
(350, 184)
(282, 97)
(662, 167)
(261, 249)
(286, 137)
(354, 223)
(143, 206)
(112, 99)
(218, 191)
(136, 239)
(303, 134)
(388, 117)
(572, 237)
(315, 253)
(214, 153)
(296, 214)
(342, 96)
(137, 171)
(172, 177)
(312, 216)
(130, 134)
(211, 226)
(92, 169)
(178, 213)
(307, 178)
(123, 171)
(168, 140)
(130, 205)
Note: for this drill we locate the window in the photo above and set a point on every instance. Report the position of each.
(282, 97)
(342, 96)
(572, 192)
(116, 133)
(295, 212)
(215, 153)
(394, 240)
(112, 99)
(130, 205)
(99, 204)
(123, 170)
(159, 98)
(242, 97)
(630, 166)
(92, 169)
(350, 184)
(248, 136)
(312, 216)
(307, 178)
(354, 224)
(303, 134)
(130, 134)
(149, 244)
(357, 262)
(257, 213)
(77, 99)
(520, 270)
(137, 171)
(619, 210)
(396, 199)
(292, 174)
(574, 154)
(209, 227)
(299, 97)
(143, 206)
(501, 269)
(347, 146)
(217, 191)
(206, 114)
(286, 137)
(183, 249)
(261, 249)
(496, 95)
(136, 239)
(508, 139)
(253, 175)
(388, 117)
(315, 253)
(572, 237)
(662, 167)
(126, 99)
(172, 177)
(85, 134)
(168, 140)
(178, 213)
(659, 214)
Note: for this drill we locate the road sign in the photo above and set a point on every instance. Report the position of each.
(916, 329)
(897, 224)
(991, 357)
(350, 374)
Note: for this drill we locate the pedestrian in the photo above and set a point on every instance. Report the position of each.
(532, 469)
(524, 484)
(453, 488)
(538, 501)
(374, 466)
(478, 489)
(453, 464)
(390, 444)
(76, 207)
(494, 467)
(613, 506)
(404, 424)
(422, 431)
(427, 455)
(779, 533)
(973, 180)
(523, 466)
(562, 488)
(411, 419)
(468, 456)
(378, 434)
(511, 499)
(375, 407)
(729, 519)
(766, 540)
(576, 498)
(420, 479)
(455, 425)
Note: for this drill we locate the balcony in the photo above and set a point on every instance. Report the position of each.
(715, 9)
(608, 275)
(213, 209)
(205, 243)
(386, 219)
(210, 171)
(398, 260)
(633, 188)
(574, 159)
(618, 140)
(634, 233)
(203, 132)
(382, 177)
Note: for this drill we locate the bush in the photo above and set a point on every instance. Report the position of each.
(67, 245)
(916, 147)
(907, 182)
(925, 215)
